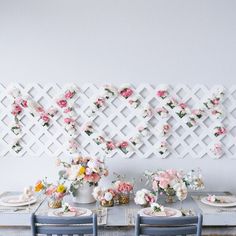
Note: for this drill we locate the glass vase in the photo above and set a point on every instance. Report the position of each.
(54, 203)
(107, 203)
(170, 195)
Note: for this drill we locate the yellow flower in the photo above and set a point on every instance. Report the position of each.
(82, 170)
(61, 188)
(39, 186)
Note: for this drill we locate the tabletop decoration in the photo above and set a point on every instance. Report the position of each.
(156, 207)
(105, 196)
(213, 198)
(83, 174)
(145, 197)
(123, 188)
(54, 192)
(175, 183)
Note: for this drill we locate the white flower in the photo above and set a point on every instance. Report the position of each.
(181, 191)
(108, 196)
(157, 207)
(97, 193)
(140, 197)
(211, 198)
(14, 92)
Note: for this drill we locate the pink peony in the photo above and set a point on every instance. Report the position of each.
(161, 93)
(124, 144)
(69, 94)
(68, 120)
(62, 103)
(16, 109)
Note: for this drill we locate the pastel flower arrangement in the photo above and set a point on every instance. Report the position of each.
(217, 150)
(82, 170)
(145, 197)
(126, 91)
(219, 130)
(124, 147)
(172, 181)
(16, 146)
(144, 130)
(162, 94)
(54, 191)
(134, 102)
(163, 147)
(122, 186)
(88, 129)
(156, 207)
(162, 112)
(104, 196)
(214, 199)
(109, 91)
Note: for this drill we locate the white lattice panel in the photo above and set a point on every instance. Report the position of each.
(117, 121)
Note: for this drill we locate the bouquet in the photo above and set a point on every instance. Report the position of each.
(105, 196)
(145, 197)
(82, 170)
(175, 183)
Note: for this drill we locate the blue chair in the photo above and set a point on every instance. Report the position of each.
(50, 225)
(163, 226)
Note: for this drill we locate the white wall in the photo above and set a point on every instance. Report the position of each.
(133, 41)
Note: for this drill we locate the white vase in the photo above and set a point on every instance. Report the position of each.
(84, 194)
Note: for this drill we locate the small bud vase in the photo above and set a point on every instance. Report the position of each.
(124, 198)
(53, 203)
(107, 203)
(170, 195)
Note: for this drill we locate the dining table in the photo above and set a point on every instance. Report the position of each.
(120, 219)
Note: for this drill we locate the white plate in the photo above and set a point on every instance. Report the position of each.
(169, 212)
(228, 201)
(79, 212)
(15, 201)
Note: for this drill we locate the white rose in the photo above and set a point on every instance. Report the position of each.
(140, 198)
(108, 196)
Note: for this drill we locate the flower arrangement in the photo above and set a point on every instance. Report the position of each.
(162, 94)
(162, 112)
(165, 129)
(134, 102)
(145, 197)
(181, 110)
(219, 130)
(163, 147)
(126, 92)
(156, 207)
(217, 150)
(109, 91)
(123, 188)
(72, 146)
(16, 146)
(88, 129)
(124, 147)
(214, 199)
(172, 182)
(146, 112)
(56, 192)
(105, 196)
(83, 170)
(144, 130)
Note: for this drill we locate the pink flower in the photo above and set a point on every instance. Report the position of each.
(124, 144)
(69, 94)
(50, 190)
(162, 93)
(68, 110)
(24, 103)
(127, 92)
(123, 187)
(16, 109)
(45, 118)
(39, 109)
(183, 105)
(110, 145)
(215, 101)
(94, 178)
(62, 103)
(68, 120)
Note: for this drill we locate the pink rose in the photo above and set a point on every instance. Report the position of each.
(16, 109)
(69, 94)
(24, 103)
(62, 103)
(68, 120)
(127, 92)
(45, 118)
(161, 93)
(124, 144)
(110, 145)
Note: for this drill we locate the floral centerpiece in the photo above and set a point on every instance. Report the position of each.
(145, 197)
(55, 192)
(175, 183)
(83, 173)
(123, 188)
(105, 196)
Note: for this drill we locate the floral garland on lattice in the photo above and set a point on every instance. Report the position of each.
(20, 103)
(211, 104)
(66, 103)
